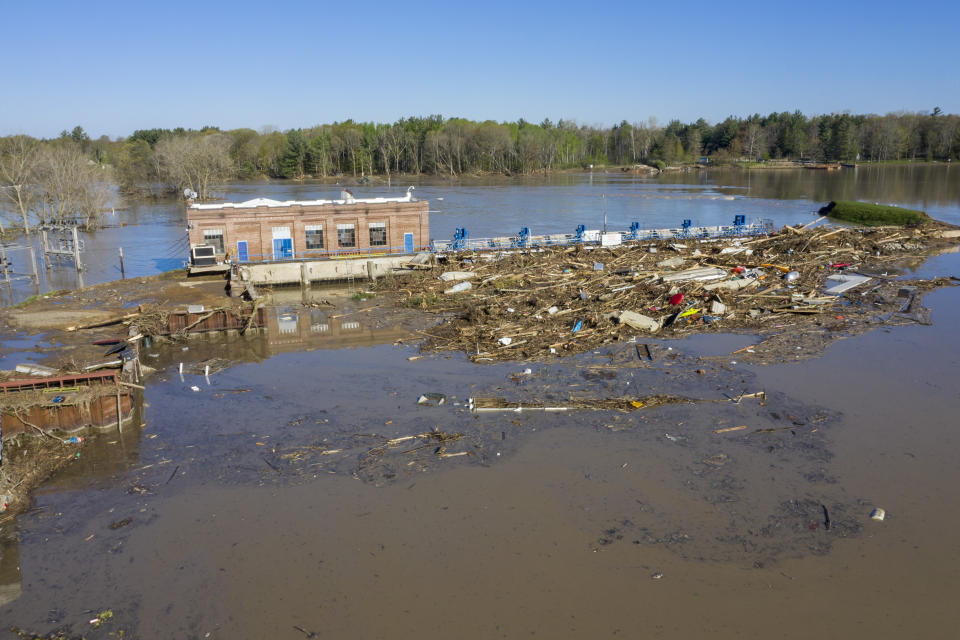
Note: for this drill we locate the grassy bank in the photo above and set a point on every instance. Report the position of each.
(873, 215)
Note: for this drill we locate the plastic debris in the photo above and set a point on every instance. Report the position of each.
(699, 274)
(451, 276)
(676, 299)
(460, 286)
(73, 440)
(35, 370)
(842, 282)
(432, 399)
(505, 341)
(878, 514)
(670, 263)
(638, 321)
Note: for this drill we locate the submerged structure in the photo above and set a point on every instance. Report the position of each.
(67, 403)
(264, 230)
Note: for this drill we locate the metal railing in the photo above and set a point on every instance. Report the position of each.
(595, 237)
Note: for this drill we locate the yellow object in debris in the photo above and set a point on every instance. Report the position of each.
(776, 266)
(636, 404)
(688, 312)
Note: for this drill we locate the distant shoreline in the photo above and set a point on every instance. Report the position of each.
(640, 169)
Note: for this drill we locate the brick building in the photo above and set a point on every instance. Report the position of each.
(263, 229)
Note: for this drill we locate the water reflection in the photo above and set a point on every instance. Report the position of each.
(10, 578)
(106, 452)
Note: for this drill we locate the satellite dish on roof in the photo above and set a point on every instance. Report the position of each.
(186, 193)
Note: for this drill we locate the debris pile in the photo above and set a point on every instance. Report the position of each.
(484, 404)
(555, 301)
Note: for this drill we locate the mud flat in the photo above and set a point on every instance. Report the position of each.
(323, 489)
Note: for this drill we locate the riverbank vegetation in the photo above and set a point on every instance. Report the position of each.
(52, 181)
(60, 179)
(873, 215)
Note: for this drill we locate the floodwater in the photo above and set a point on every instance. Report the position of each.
(154, 239)
(256, 507)
(267, 503)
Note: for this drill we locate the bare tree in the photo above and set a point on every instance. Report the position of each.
(18, 171)
(351, 140)
(754, 141)
(196, 161)
(71, 188)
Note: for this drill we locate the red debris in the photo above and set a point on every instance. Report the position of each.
(676, 299)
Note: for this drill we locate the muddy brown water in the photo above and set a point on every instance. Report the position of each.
(265, 504)
(246, 521)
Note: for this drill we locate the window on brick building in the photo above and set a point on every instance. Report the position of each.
(314, 236)
(346, 236)
(378, 234)
(214, 237)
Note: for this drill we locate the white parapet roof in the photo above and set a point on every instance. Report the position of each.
(267, 202)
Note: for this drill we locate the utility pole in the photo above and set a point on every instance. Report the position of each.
(603, 197)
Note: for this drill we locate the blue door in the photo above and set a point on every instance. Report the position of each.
(408, 243)
(242, 255)
(282, 248)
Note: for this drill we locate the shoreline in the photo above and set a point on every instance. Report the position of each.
(636, 169)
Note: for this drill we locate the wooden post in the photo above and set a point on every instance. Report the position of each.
(33, 263)
(76, 249)
(119, 410)
(46, 247)
(3, 263)
(123, 275)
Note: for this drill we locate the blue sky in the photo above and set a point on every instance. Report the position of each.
(113, 67)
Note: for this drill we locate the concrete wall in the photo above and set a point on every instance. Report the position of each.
(321, 270)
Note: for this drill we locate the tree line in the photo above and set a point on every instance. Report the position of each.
(34, 174)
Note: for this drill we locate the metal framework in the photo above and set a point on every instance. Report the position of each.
(6, 266)
(62, 241)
